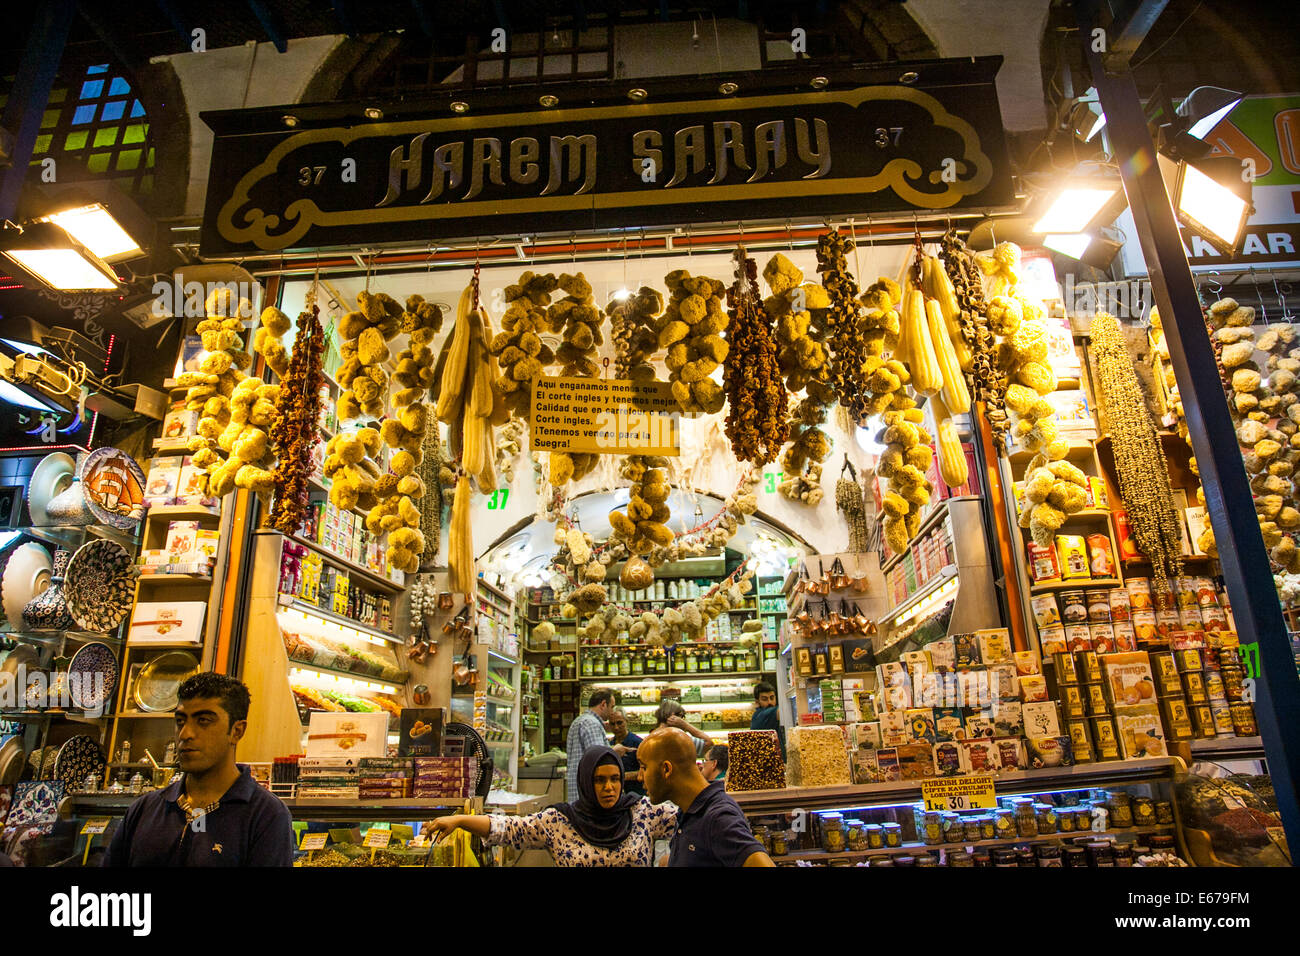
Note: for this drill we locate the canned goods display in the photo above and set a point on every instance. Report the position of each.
(1119, 604)
(1098, 606)
(1125, 638)
(1185, 591)
(1139, 594)
(1164, 600)
(1074, 607)
(1243, 720)
(1102, 637)
(1190, 619)
(1046, 612)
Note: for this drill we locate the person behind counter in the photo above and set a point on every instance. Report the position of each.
(605, 826)
(629, 741)
(711, 829)
(766, 716)
(214, 815)
(714, 766)
(586, 731)
(672, 714)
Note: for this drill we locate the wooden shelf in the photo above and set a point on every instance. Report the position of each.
(364, 574)
(141, 715)
(294, 603)
(174, 578)
(137, 646)
(1082, 583)
(928, 524)
(674, 678)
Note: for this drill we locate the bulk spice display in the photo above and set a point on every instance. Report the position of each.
(756, 420)
(294, 432)
(1139, 458)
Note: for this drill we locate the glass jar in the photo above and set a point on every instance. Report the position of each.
(1004, 824)
(904, 860)
(875, 836)
(716, 659)
(588, 666)
(1074, 857)
(960, 858)
(854, 835)
(953, 832)
(1065, 818)
(932, 828)
(1164, 812)
(1048, 854)
(833, 832)
(600, 666)
(624, 665)
(1026, 820)
(988, 827)
(638, 663)
(706, 663)
(1120, 805)
(1123, 854)
(1101, 854)
(1045, 817)
(1004, 857)
(981, 858)
(893, 834)
(729, 661)
(779, 846)
(971, 829)
(692, 664)
(661, 663)
(1144, 812)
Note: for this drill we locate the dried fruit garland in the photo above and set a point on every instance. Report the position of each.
(847, 348)
(294, 432)
(1139, 458)
(756, 420)
(987, 383)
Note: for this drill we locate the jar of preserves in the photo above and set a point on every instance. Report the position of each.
(932, 829)
(971, 829)
(1161, 843)
(952, 828)
(1123, 854)
(833, 832)
(599, 664)
(706, 664)
(875, 836)
(1144, 812)
(1046, 818)
(624, 665)
(1004, 824)
(588, 666)
(960, 857)
(638, 663)
(981, 858)
(893, 834)
(779, 847)
(904, 860)
(1101, 854)
(1074, 857)
(729, 661)
(988, 827)
(854, 836)
(1164, 812)
(692, 664)
(1120, 805)
(1026, 821)
(715, 660)
(883, 860)
(1065, 818)
(1004, 857)
(1048, 854)
(927, 859)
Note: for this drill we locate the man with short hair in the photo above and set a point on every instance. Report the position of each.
(714, 766)
(766, 716)
(588, 730)
(630, 741)
(215, 814)
(711, 829)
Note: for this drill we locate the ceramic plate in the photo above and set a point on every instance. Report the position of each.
(114, 487)
(160, 679)
(78, 758)
(53, 475)
(100, 585)
(11, 761)
(36, 802)
(25, 658)
(27, 573)
(92, 676)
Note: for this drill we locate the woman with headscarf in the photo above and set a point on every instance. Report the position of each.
(605, 826)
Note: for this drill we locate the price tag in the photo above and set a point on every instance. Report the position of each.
(377, 838)
(93, 827)
(313, 841)
(959, 793)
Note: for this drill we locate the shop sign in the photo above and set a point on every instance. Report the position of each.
(313, 841)
(959, 793)
(851, 149)
(604, 416)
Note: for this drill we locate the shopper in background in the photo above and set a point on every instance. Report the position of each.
(605, 826)
(714, 766)
(587, 731)
(672, 714)
(215, 815)
(766, 715)
(711, 829)
(629, 741)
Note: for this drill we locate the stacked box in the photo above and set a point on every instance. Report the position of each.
(332, 777)
(1131, 692)
(832, 701)
(451, 778)
(386, 777)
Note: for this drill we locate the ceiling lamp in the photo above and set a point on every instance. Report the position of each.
(1081, 204)
(1210, 198)
(1093, 249)
(95, 228)
(1206, 106)
(48, 253)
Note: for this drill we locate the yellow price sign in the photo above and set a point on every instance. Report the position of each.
(377, 838)
(313, 841)
(93, 827)
(959, 793)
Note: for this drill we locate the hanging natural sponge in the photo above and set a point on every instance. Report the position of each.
(690, 330)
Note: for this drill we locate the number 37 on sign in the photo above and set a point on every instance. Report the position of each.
(959, 793)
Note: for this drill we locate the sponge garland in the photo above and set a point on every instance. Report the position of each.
(580, 320)
(905, 460)
(645, 523)
(633, 328)
(349, 464)
(518, 347)
(689, 329)
(366, 334)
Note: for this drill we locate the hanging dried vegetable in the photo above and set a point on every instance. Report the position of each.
(850, 503)
(518, 347)
(579, 321)
(689, 329)
(366, 333)
(294, 432)
(634, 329)
(1139, 458)
(848, 352)
(987, 384)
(430, 474)
(756, 420)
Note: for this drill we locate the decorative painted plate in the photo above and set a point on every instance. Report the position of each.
(92, 676)
(28, 571)
(11, 761)
(77, 758)
(156, 687)
(36, 802)
(53, 474)
(100, 585)
(114, 487)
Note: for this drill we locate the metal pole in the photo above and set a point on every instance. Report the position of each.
(30, 94)
(1228, 498)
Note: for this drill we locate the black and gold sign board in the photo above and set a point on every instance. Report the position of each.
(861, 150)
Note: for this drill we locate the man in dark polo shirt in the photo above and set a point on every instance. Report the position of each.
(711, 829)
(215, 815)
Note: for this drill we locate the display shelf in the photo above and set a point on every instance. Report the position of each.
(184, 512)
(55, 637)
(363, 573)
(138, 646)
(495, 591)
(142, 714)
(959, 846)
(296, 604)
(502, 657)
(898, 793)
(146, 578)
(398, 808)
(949, 573)
(72, 536)
(1186, 558)
(36, 716)
(1077, 583)
(583, 647)
(674, 678)
(1229, 748)
(510, 701)
(1079, 448)
(747, 606)
(356, 676)
(928, 524)
(561, 680)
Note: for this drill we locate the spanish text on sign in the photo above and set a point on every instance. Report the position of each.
(604, 417)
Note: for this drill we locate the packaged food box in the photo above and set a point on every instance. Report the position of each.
(1222, 714)
(1188, 659)
(1186, 640)
(865, 735)
(920, 725)
(980, 723)
(1088, 665)
(1194, 688)
(1072, 556)
(1097, 492)
(915, 761)
(1040, 719)
(1063, 667)
(1051, 640)
(1043, 752)
(1073, 704)
(180, 536)
(1098, 703)
(943, 654)
(858, 655)
(1203, 721)
(1105, 738)
(893, 728)
(1045, 610)
(1011, 754)
(887, 765)
(1008, 718)
(1080, 740)
(1141, 733)
(170, 622)
(967, 649)
(347, 734)
(1027, 662)
(980, 756)
(995, 645)
(866, 769)
(949, 724)
(1033, 687)
(1129, 681)
(947, 759)
(1165, 668)
(1044, 566)
(1178, 718)
(817, 757)
(1101, 560)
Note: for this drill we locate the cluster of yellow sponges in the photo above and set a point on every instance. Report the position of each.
(689, 329)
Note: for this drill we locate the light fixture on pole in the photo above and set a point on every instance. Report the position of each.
(1080, 204)
(1206, 106)
(49, 254)
(95, 228)
(1086, 118)
(1097, 249)
(1211, 198)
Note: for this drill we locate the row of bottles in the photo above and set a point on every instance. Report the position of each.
(619, 662)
